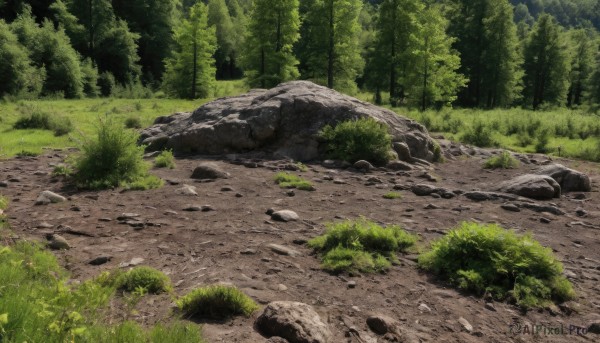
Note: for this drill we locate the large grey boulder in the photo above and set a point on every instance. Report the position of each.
(570, 180)
(284, 121)
(540, 187)
(294, 321)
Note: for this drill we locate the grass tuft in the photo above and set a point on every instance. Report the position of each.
(144, 279)
(487, 259)
(392, 195)
(133, 122)
(287, 180)
(165, 160)
(3, 202)
(361, 245)
(216, 302)
(505, 161)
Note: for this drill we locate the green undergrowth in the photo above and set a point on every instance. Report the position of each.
(287, 180)
(216, 302)
(392, 195)
(361, 245)
(38, 305)
(3, 202)
(144, 279)
(505, 161)
(487, 259)
(165, 160)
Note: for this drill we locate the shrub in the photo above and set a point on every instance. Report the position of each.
(489, 259)
(44, 121)
(392, 195)
(165, 160)
(505, 160)
(479, 135)
(361, 245)
(112, 159)
(107, 83)
(27, 153)
(133, 123)
(541, 145)
(216, 302)
(62, 170)
(146, 279)
(62, 126)
(287, 180)
(362, 139)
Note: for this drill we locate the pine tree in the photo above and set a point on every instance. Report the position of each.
(333, 48)
(190, 72)
(218, 16)
(272, 31)
(582, 50)
(16, 70)
(546, 64)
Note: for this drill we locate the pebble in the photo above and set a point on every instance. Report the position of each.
(465, 324)
(282, 250)
(285, 215)
(424, 308)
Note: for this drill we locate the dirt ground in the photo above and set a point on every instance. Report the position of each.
(229, 244)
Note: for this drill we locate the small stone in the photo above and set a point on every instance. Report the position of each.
(490, 306)
(44, 225)
(192, 208)
(282, 250)
(545, 220)
(100, 260)
(424, 308)
(58, 242)
(351, 284)
(431, 207)
(594, 328)
(580, 212)
(510, 207)
(187, 190)
(285, 216)
(3, 184)
(238, 195)
(465, 324)
(208, 170)
(248, 252)
(128, 216)
(282, 287)
(226, 189)
(136, 261)
(270, 211)
(207, 208)
(339, 182)
(170, 212)
(381, 324)
(104, 219)
(47, 197)
(290, 193)
(363, 165)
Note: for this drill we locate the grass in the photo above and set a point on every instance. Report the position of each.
(144, 280)
(3, 202)
(134, 122)
(487, 259)
(559, 132)
(287, 180)
(505, 161)
(361, 245)
(34, 118)
(392, 195)
(165, 160)
(216, 302)
(62, 170)
(361, 139)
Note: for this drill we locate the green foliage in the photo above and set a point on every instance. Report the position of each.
(505, 160)
(287, 180)
(38, 119)
(273, 29)
(216, 302)
(3, 202)
(361, 245)
(16, 69)
(361, 139)
(165, 160)
(392, 195)
(112, 159)
(62, 170)
(144, 279)
(90, 78)
(489, 259)
(190, 72)
(479, 135)
(106, 83)
(133, 122)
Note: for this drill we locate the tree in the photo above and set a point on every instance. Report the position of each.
(272, 31)
(16, 70)
(190, 72)
(593, 94)
(225, 57)
(433, 78)
(582, 50)
(546, 64)
(334, 55)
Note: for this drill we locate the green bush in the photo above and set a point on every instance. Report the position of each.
(505, 160)
(541, 145)
(133, 123)
(479, 135)
(287, 180)
(62, 170)
(165, 160)
(112, 159)
(44, 121)
(362, 139)
(392, 195)
(361, 245)
(487, 259)
(145, 279)
(216, 302)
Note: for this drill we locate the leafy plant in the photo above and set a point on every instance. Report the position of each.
(165, 160)
(217, 302)
(3, 202)
(392, 195)
(287, 180)
(361, 139)
(144, 279)
(489, 259)
(360, 245)
(62, 170)
(133, 122)
(112, 159)
(37, 119)
(505, 160)
(479, 135)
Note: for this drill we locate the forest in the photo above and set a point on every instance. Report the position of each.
(422, 54)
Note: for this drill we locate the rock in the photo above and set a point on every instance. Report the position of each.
(285, 120)
(465, 324)
(192, 208)
(58, 242)
(569, 180)
(510, 207)
(424, 308)
(399, 165)
(296, 322)
(540, 207)
(3, 184)
(403, 151)
(580, 212)
(545, 220)
(431, 207)
(594, 328)
(208, 170)
(423, 189)
(351, 284)
(207, 208)
(100, 260)
(285, 215)
(276, 339)
(282, 250)
(490, 306)
(47, 197)
(128, 216)
(187, 190)
(486, 196)
(363, 165)
(381, 324)
(540, 187)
